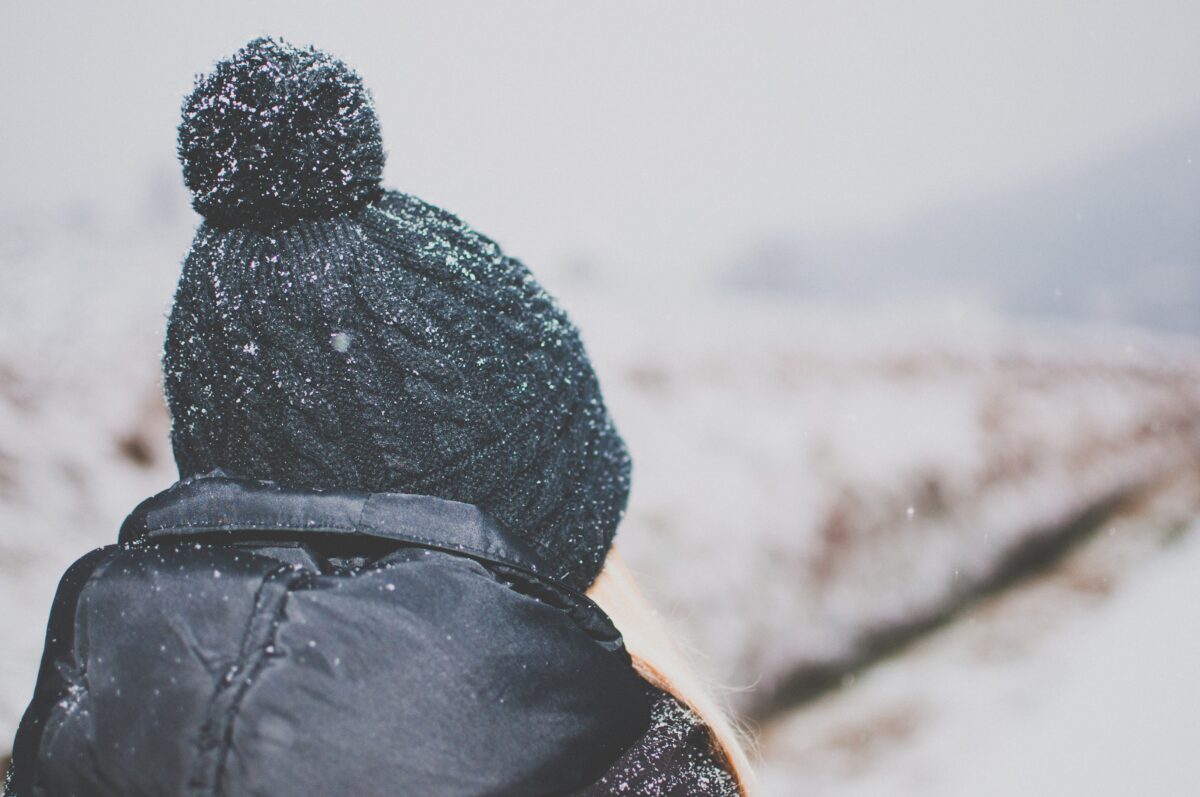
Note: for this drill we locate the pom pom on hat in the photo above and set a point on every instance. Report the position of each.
(278, 133)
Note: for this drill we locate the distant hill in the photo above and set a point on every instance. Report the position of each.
(1115, 240)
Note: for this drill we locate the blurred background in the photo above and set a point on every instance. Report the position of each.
(897, 305)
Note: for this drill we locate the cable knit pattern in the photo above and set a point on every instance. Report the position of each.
(394, 349)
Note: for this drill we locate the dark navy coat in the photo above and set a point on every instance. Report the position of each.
(245, 639)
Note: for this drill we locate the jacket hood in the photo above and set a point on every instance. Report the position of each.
(245, 639)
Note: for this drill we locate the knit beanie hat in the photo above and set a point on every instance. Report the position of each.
(329, 334)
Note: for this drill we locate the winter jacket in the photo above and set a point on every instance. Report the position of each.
(246, 639)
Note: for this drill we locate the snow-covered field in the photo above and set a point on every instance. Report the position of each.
(813, 483)
(811, 480)
(1081, 682)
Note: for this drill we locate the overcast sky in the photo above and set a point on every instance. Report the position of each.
(629, 134)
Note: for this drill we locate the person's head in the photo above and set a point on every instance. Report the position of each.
(330, 334)
(327, 333)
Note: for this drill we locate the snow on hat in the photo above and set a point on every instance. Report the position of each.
(328, 333)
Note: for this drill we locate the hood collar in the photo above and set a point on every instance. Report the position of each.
(218, 503)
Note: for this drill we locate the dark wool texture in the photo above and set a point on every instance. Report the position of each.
(387, 347)
(674, 758)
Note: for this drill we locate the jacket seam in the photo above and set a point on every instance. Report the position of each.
(215, 738)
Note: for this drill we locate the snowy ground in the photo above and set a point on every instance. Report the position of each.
(826, 478)
(809, 480)
(1079, 682)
